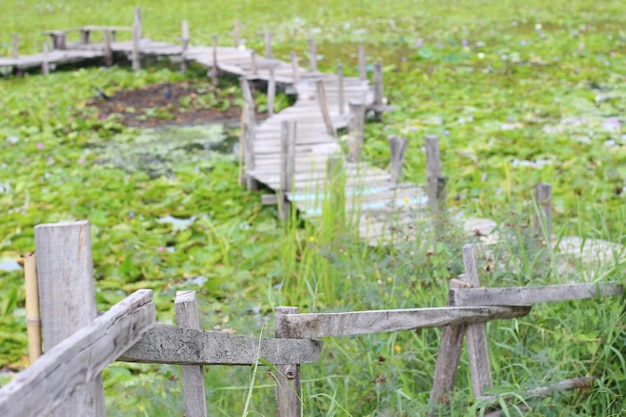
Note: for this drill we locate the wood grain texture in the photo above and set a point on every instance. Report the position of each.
(288, 391)
(397, 148)
(176, 346)
(193, 375)
(519, 296)
(477, 346)
(356, 129)
(313, 325)
(67, 299)
(543, 218)
(78, 360)
(433, 170)
(362, 63)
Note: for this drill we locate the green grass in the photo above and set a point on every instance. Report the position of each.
(490, 112)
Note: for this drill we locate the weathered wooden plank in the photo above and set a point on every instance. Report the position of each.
(366, 322)
(477, 347)
(288, 389)
(193, 375)
(518, 296)
(67, 300)
(173, 345)
(78, 359)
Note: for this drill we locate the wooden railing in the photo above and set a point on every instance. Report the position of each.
(66, 379)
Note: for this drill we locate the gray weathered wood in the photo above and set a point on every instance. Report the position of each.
(271, 93)
(77, 361)
(547, 391)
(250, 132)
(45, 66)
(136, 65)
(477, 348)
(382, 321)
(321, 97)
(313, 54)
(84, 36)
(518, 296)
(236, 33)
(67, 299)
(362, 64)
(378, 91)
(268, 45)
(340, 87)
(185, 45)
(543, 218)
(288, 166)
(448, 357)
(356, 129)
(16, 46)
(288, 390)
(397, 147)
(193, 375)
(436, 181)
(176, 346)
(108, 51)
(214, 71)
(253, 66)
(295, 69)
(137, 21)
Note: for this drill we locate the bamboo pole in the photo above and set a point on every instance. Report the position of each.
(33, 321)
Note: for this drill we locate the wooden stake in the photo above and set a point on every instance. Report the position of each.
(250, 134)
(362, 64)
(288, 379)
(185, 46)
(436, 181)
(271, 92)
(215, 67)
(321, 96)
(67, 300)
(287, 166)
(253, 66)
(108, 51)
(313, 54)
(137, 21)
(295, 69)
(193, 376)
(543, 218)
(84, 36)
(16, 47)
(477, 348)
(357, 125)
(378, 92)
(340, 86)
(33, 321)
(135, 54)
(242, 135)
(45, 66)
(268, 45)
(236, 36)
(397, 147)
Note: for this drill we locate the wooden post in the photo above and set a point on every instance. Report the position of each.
(45, 65)
(67, 300)
(271, 92)
(16, 47)
(114, 36)
(477, 349)
(448, 357)
(295, 69)
(543, 213)
(193, 375)
(33, 321)
(250, 133)
(287, 166)
(436, 181)
(357, 125)
(185, 46)
(288, 379)
(362, 64)
(84, 36)
(378, 92)
(397, 147)
(340, 86)
(108, 51)
(321, 97)
(336, 183)
(268, 45)
(215, 68)
(253, 66)
(313, 54)
(236, 36)
(137, 21)
(135, 54)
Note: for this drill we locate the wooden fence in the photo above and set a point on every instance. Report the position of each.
(66, 380)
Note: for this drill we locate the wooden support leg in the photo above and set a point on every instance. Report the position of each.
(436, 181)
(340, 86)
(321, 97)
(287, 166)
(313, 55)
(288, 379)
(378, 92)
(108, 51)
(185, 41)
(356, 128)
(543, 217)
(362, 64)
(397, 147)
(236, 31)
